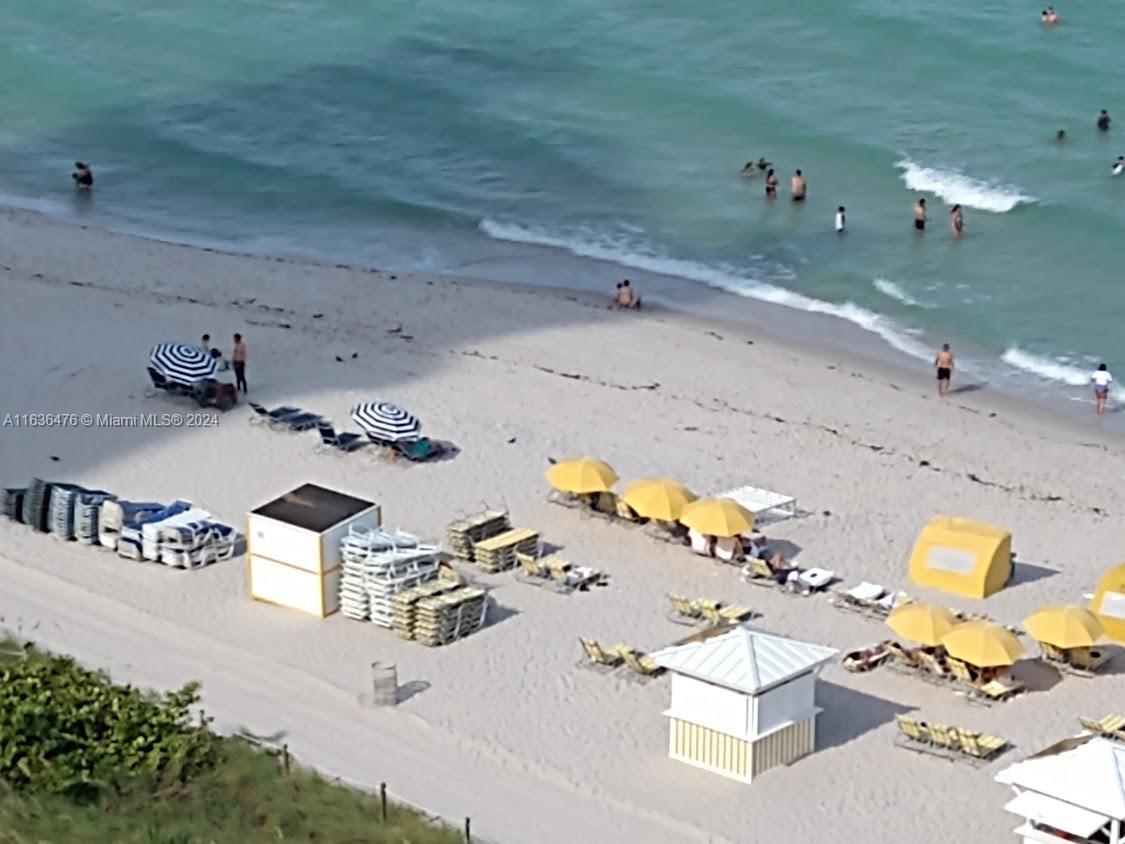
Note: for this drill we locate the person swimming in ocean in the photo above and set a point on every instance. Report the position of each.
(1050, 17)
(83, 176)
(753, 168)
(771, 184)
(956, 221)
(1119, 165)
(920, 215)
(1060, 136)
(1104, 121)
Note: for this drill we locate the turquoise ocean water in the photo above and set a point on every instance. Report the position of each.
(438, 135)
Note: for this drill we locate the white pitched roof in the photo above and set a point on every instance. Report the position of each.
(1091, 776)
(744, 659)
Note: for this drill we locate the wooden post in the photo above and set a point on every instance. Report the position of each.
(468, 831)
(285, 758)
(202, 719)
(383, 801)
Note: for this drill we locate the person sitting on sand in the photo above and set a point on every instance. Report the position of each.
(83, 176)
(753, 168)
(729, 549)
(781, 568)
(798, 186)
(956, 221)
(701, 543)
(1104, 121)
(627, 298)
(755, 545)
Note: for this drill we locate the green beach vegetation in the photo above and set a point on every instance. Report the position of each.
(86, 761)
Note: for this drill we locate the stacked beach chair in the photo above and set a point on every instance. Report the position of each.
(36, 505)
(13, 503)
(442, 619)
(464, 534)
(195, 544)
(87, 509)
(177, 535)
(379, 565)
(498, 553)
(439, 612)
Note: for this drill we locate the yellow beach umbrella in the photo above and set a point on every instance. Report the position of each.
(717, 517)
(983, 644)
(581, 476)
(921, 623)
(1064, 627)
(658, 498)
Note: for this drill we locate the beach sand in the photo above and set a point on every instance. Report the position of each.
(504, 726)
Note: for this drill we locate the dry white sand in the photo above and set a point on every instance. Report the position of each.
(509, 729)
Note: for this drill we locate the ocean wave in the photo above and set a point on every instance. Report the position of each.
(1052, 369)
(729, 279)
(957, 188)
(889, 288)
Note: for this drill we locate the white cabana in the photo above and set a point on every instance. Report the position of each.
(293, 546)
(1070, 791)
(743, 701)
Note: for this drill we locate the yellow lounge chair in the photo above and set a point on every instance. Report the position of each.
(997, 690)
(913, 730)
(641, 664)
(684, 608)
(599, 656)
(759, 572)
(1085, 661)
(932, 667)
(977, 746)
(530, 566)
(961, 672)
(1112, 726)
(726, 615)
(943, 737)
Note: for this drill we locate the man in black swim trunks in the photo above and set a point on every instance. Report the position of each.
(798, 186)
(83, 176)
(944, 364)
(920, 214)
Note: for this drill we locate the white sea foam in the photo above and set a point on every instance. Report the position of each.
(889, 288)
(1052, 369)
(720, 277)
(957, 188)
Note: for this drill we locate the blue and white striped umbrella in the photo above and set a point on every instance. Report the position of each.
(387, 422)
(182, 363)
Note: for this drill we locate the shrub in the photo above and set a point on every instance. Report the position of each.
(69, 731)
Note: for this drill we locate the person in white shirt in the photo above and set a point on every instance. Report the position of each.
(841, 223)
(1119, 165)
(1102, 379)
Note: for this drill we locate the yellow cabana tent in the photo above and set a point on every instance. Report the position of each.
(962, 557)
(1109, 603)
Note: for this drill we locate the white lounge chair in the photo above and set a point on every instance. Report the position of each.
(700, 544)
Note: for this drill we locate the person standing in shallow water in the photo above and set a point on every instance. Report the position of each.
(956, 221)
(771, 184)
(944, 365)
(1104, 121)
(1101, 380)
(920, 215)
(798, 186)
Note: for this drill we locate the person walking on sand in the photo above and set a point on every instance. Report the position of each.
(944, 365)
(920, 215)
(238, 361)
(771, 184)
(1102, 379)
(956, 221)
(841, 221)
(205, 343)
(1104, 121)
(798, 186)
